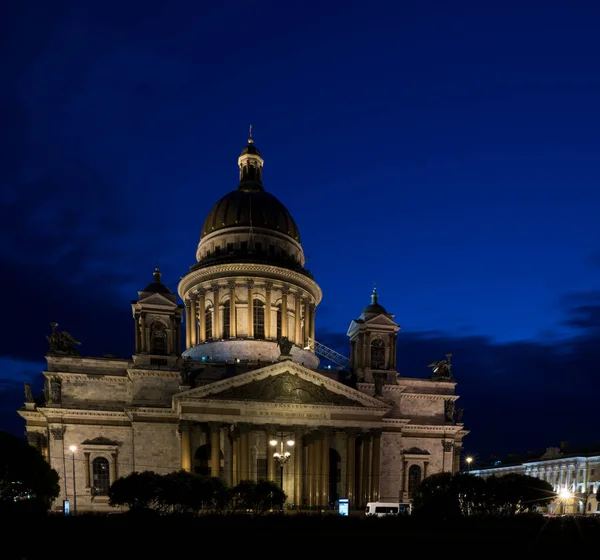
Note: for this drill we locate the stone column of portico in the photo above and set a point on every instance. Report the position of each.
(268, 288)
(284, 311)
(270, 433)
(298, 467)
(188, 320)
(324, 486)
(215, 449)
(194, 323)
(317, 479)
(216, 323)
(365, 478)
(244, 452)
(298, 325)
(143, 346)
(201, 316)
(350, 466)
(235, 460)
(311, 470)
(186, 450)
(138, 338)
(86, 455)
(232, 319)
(250, 286)
(375, 464)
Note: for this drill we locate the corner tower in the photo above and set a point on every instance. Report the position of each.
(373, 344)
(249, 288)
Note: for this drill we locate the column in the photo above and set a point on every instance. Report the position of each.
(317, 469)
(186, 451)
(375, 465)
(405, 478)
(228, 457)
(298, 333)
(202, 315)
(298, 468)
(306, 322)
(325, 442)
(244, 455)
(216, 316)
(365, 471)
(310, 475)
(269, 432)
(235, 460)
(215, 449)
(284, 314)
(172, 337)
(250, 286)
(188, 321)
(138, 338)
(143, 345)
(194, 323)
(350, 466)
(232, 323)
(86, 457)
(268, 288)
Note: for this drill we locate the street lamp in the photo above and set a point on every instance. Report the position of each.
(280, 455)
(73, 449)
(469, 461)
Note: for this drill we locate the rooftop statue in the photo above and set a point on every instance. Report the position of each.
(62, 343)
(442, 369)
(285, 346)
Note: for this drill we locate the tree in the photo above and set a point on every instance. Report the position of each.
(258, 496)
(518, 493)
(26, 479)
(137, 491)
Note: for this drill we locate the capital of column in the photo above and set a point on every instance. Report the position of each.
(268, 286)
(250, 284)
(244, 427)
(187, 303)
(58, 432)
(285, 290)
(184, 427)
(376, 432)
(215, 425)
(231, 284)
(201, 292)
(214, 287)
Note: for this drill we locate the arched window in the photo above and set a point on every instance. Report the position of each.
(378, 354)
(278, 321)
(208, 315)
(158, 340)
(259, 319)
(414, 478)
(226, 319)
(100, 476)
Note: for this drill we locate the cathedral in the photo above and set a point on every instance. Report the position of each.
(238, 392)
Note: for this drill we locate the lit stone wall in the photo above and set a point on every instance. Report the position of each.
(97, 392)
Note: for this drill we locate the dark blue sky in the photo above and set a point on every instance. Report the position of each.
(446, 150)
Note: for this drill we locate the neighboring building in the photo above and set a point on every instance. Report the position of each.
(248, 375)
(575, 477)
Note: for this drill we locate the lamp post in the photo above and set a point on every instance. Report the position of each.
(280, 455)
(73, 449)
(469, 461)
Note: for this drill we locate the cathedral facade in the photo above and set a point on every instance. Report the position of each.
(239, 393)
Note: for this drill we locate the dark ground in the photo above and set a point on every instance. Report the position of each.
(214, 537)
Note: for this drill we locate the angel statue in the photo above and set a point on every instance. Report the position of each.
(62, 343)
(285, 346)
(442, 369)
(185, 369)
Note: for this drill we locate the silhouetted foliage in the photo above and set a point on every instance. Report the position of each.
(137, 491)
(259, 497)
(27, 482)
(517, 493)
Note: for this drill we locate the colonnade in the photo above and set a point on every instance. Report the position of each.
(143, 328)
(293, 301)
(308, 472)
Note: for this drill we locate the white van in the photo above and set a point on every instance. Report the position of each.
(382, 509)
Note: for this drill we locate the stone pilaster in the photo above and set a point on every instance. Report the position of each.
(298, 318)
(232, 316)
(202, 315)
(250, 286)
(375, 464)
(143, 334)
(86, 457)
(138, 337)
(194, 323)
(284, 311)
(186, 450)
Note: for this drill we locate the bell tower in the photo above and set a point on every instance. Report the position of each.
(373, 345)
(157, 319)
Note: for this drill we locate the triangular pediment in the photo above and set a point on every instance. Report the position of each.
(156, 299)
(285, 382)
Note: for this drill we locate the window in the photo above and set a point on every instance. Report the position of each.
(414, 478)
(378, 354)
(244, 246)
(258, 247)
(230, 247)
(217, 250)
(159, 338)
(271, 249)
(209, 333)
(259, 319)
(278, 321)
(100, 476)
(226, 319)
(592, 472)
